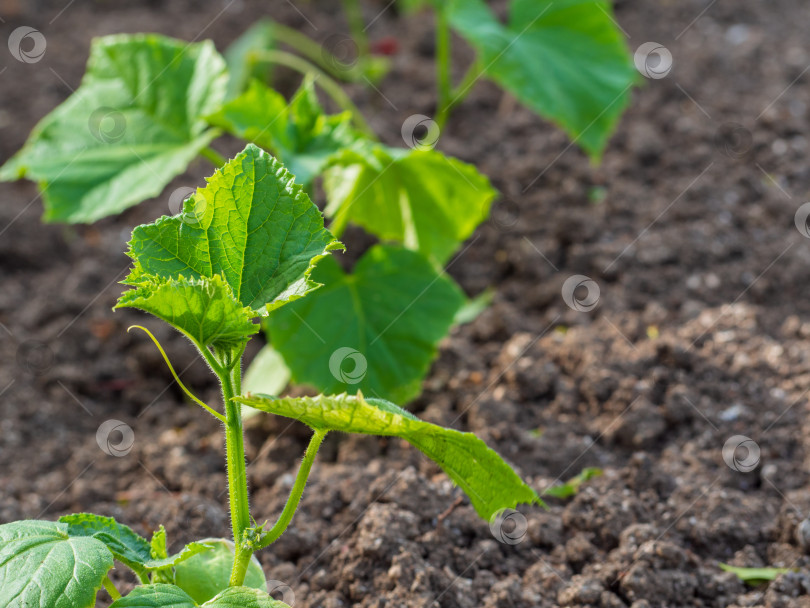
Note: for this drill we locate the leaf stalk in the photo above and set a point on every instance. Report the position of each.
(297, 491)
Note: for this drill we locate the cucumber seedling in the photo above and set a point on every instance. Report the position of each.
(243, 247)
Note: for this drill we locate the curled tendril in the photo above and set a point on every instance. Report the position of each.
(191, 395)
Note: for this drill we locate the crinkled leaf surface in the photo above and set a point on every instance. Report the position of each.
(207, 574)
(244, 245)
(244, 597)
(204, 309)
(420, 198)
(488, 481)
(135, 122)
(564, 59)
(376, 329)
(299, 134)
(42, 566)
(160, 595)
(124, 543)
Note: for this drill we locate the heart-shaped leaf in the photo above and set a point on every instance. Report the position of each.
(564, 59)
(375, 330)
(135, 122)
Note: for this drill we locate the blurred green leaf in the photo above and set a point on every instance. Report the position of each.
(135, 122)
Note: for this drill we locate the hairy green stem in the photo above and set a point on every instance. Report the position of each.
(215, 157)
(357, 25)
(443, 83)
(111, 589)
(295, 494)
(327, 84)
(237, 471)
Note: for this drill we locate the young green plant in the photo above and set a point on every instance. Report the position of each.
(244, 246)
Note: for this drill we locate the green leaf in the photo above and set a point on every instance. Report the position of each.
(427, 201)
(299, 134)
(755, 576)
(564, 59)
(160, 595)
(244, 597)
(244, 245)
(267, 374)
(488, 481)
(205, 575)
(41, 565)
(473, 307)
(203, 309)
(158, 543)
(133, 125)
(124, 543)
(571, 487)
(374, 330)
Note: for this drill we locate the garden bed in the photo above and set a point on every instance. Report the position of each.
(701, 334)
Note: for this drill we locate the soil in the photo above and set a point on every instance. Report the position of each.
(701, 333)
